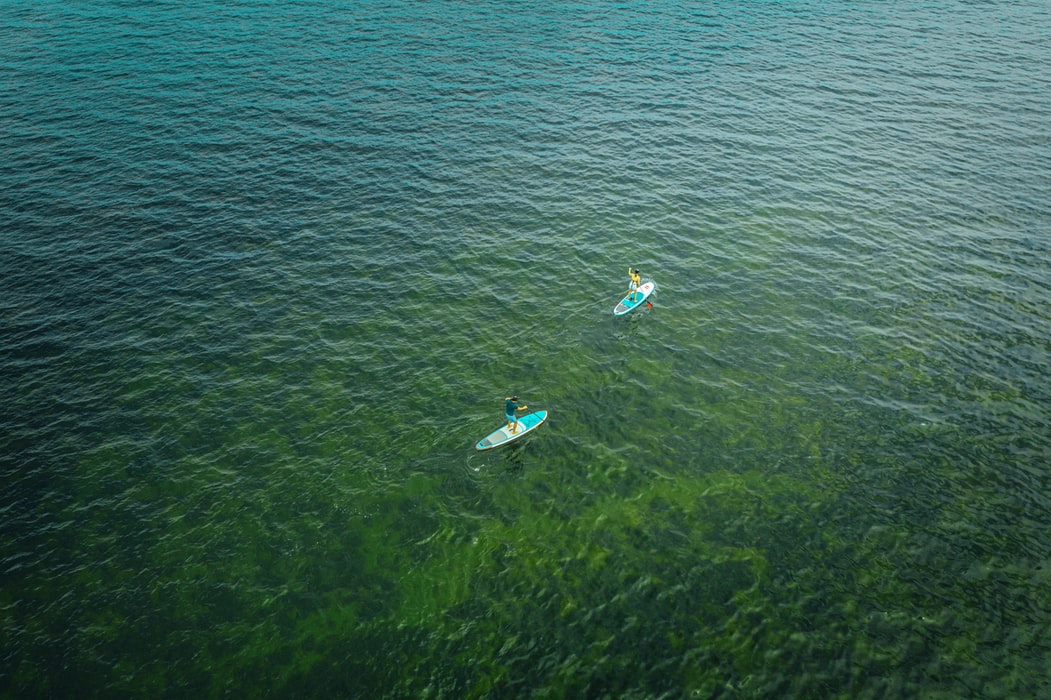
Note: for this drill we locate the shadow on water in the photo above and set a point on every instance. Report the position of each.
(510, 459)
(514, 457)
(630, 326)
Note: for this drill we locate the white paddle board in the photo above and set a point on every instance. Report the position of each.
(526, 423)
(634, 299)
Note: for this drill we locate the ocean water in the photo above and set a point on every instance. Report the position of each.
(269, 269)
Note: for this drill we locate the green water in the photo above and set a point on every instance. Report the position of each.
(269, 272)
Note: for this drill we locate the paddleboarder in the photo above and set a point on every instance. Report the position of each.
(636, 281)
(510, 412)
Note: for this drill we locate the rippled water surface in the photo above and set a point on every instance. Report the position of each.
(269, 270)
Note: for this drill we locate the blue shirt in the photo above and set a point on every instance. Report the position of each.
(510, 407)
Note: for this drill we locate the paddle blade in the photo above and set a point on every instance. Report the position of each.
(649, 305)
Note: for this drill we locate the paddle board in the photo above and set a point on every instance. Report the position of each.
(526, 423)
(633, 299)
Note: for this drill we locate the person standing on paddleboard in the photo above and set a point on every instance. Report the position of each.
(636, 281)
(510, 409)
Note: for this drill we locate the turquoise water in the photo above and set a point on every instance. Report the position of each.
(269, 270)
